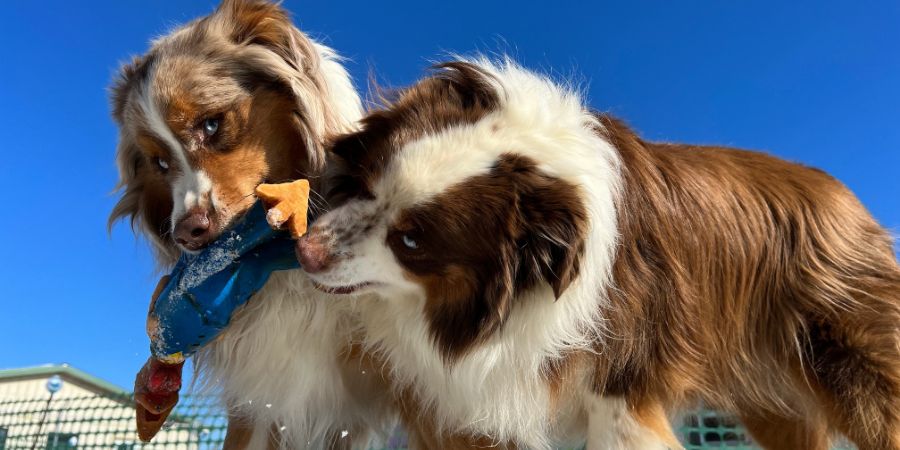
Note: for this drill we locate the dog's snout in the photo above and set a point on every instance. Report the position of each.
(314, 251)
(194, 230)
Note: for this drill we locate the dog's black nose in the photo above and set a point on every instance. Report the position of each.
(193, 231)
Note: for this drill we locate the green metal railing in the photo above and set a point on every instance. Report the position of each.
(198, 423)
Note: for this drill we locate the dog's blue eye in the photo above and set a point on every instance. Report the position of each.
(163, 165)
(210, 126)
(409, 242)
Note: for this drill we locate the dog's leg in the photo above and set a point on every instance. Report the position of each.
(614, 425)
(856, 378)
(780, 433)
(416, 440)
(350, 438)
(847, 291)
(238, 434)
(243, 434)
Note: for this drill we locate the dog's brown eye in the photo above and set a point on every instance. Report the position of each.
(162, 164)
(210, 126)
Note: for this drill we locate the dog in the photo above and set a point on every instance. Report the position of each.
(543, 276)
(212, 110)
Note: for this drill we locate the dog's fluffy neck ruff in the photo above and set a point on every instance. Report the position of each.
(500, 385)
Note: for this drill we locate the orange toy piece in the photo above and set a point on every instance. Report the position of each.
(287, 205)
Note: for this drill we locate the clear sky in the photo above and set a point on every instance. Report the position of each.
(816, 82)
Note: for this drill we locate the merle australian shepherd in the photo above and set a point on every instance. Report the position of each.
(544, 276)
(214, 108)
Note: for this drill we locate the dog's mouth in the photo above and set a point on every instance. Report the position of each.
(342, 290)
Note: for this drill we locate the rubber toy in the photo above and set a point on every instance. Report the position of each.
(194, 303)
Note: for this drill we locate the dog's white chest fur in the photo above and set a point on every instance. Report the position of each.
(278, 363)
(498, 389)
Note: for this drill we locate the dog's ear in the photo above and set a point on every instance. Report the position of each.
(499, 292)
(472, 304)
(555, 245)
(256, 22)
(273, 51)
(146, 207)
(129, 75)
(555, 223)
(128, 157)
(474, 88)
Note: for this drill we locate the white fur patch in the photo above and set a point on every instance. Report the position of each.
(498, 389)
(365, 260)
(191, 188)
(341, 94)
(157, 124)
(278, 363)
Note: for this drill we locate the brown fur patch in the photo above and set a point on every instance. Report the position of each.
(457, 94)
(240, 434)
(265, 150)
(486, 240)
(730, 265)
(775, 432)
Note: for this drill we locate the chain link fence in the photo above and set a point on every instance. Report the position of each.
(198, 423)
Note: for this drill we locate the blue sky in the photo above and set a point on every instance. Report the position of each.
(815, 82)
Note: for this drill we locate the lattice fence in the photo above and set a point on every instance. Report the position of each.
(107, 422)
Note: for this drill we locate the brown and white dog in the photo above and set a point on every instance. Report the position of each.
(544, 276)
(213, 109)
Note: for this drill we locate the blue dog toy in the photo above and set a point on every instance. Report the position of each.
(204, 289)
